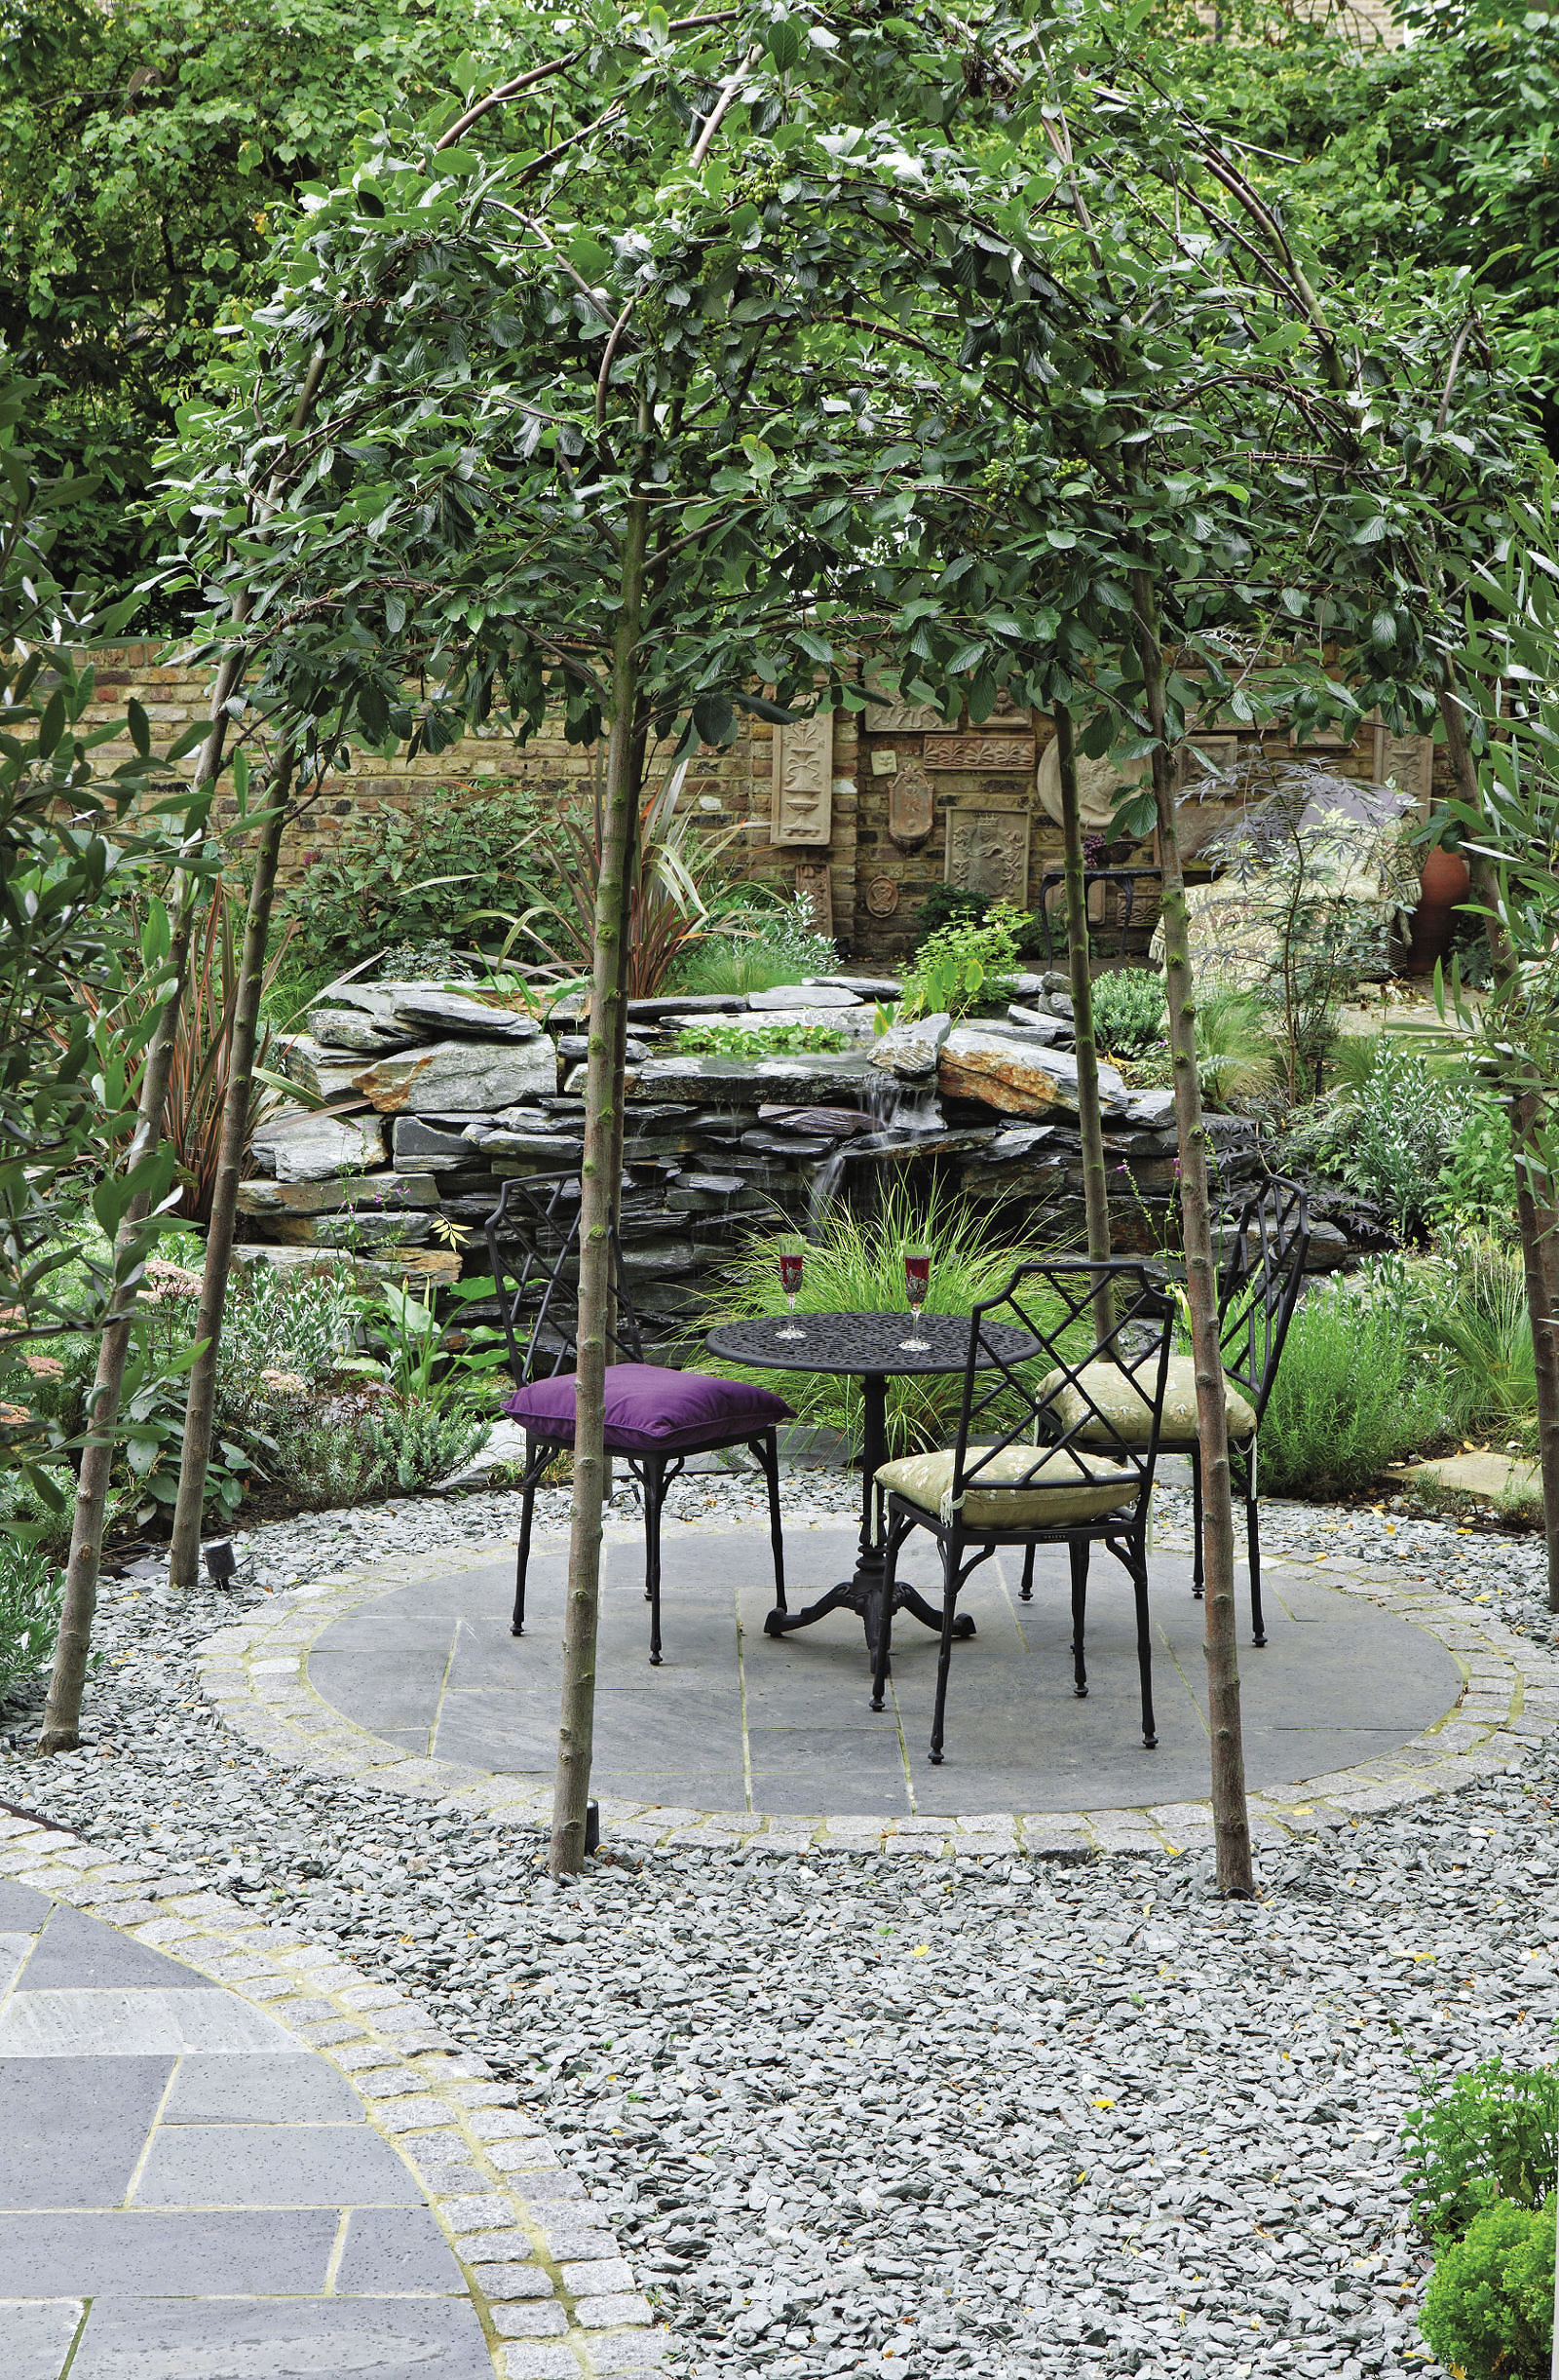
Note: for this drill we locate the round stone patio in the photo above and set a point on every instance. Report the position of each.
(1370, 1692)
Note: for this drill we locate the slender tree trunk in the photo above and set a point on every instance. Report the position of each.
(1231, 1818)
(603, 1100)
(1090, 1122)
(1535, 1215)
(61, 1731)
(185, 1553)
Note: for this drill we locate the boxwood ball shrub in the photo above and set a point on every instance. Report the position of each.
(1489, 2312)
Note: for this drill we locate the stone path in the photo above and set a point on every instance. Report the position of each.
(223, 2157)
(1374, 1692)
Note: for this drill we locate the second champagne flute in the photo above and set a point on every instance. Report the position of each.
(792, 1256)
(917, 1281)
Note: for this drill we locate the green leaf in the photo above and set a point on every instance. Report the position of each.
(140, 734)
(785, 43)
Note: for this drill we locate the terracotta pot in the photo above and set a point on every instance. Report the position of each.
(1444, 882)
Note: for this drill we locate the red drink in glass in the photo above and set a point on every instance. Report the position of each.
(792, 1264)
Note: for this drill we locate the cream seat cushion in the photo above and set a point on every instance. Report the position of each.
(1055, 1493)
(1130, 1409)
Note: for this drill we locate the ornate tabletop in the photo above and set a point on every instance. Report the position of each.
(865, 1344)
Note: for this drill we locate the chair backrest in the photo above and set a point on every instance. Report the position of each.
(533, 1243)
(1259, 1287)
(1088, 1400)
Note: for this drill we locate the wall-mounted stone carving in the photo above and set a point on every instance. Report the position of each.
(1407, 760)
(988, 853)
(1013, 754)
(892, 718)
(802, 810)
(882, 896)
(816, 886)
(911, 804)
(1102, 786)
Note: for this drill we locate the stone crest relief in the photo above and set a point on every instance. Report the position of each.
(802, 809)
(988, 853)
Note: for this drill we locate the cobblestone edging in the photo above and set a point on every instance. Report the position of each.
(555, 2298)
(257, 1674)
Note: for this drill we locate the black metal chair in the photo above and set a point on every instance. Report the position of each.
(656, 1417)
(1068, 1467)
(1259, 1286)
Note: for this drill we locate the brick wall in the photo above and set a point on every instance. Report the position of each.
(866, 852)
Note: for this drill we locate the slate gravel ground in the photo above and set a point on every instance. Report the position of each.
(903, 2115)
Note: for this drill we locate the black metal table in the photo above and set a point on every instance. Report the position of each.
(867, 1347)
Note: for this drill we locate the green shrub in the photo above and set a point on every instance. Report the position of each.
(325, 1455)
(1128, 1011)
(420, 1442)
(1489, 2312)
(856, 1266)
(1477, 1180)
(1482, 1323)
(414, 876)
(961, 966)
(1353, 1394)
(30, 1589)
(759, 1040)
(1393, 1136)
(755, 941)
(1491, 2134)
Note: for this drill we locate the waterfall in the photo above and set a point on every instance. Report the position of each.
(826, 1176)
(880, 1098)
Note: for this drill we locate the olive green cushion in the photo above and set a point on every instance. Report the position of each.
(1054, 1490)
(1130, 1410)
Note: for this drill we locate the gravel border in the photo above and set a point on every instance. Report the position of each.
(256, 1673)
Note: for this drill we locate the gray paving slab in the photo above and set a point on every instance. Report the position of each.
(36, 2339)
(385, 2338)
(75, 1951)
(273, 2165)
(735, 1720)
(22, 1909)
(107, 2106)
(134, 2254)
(392, 2251)
(262, 2087)
(130, 2023)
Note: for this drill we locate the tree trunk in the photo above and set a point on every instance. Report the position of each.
(1090, 1123)
(185, 1553)
(61, 1731)
(1535, 1215)
(603, 1100)
(1230, 1817)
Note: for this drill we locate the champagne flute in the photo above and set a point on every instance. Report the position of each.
(792, 1254)
(917, 1281)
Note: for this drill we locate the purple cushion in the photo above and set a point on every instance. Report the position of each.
(652, 1410)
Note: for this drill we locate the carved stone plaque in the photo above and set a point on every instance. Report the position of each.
(1407, 760)
(1013, 754)
(815, 885)
(882, 896)
(802, 798)
(1102, 784)
(988, 853)
(889, 717)
(911, 806)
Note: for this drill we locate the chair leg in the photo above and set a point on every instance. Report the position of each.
(1139, 1584)
(1077, 1552)
(1025, 1594)
(951, 1551)
(883, 1642)
(770, 1449)
(1199, 1572)
(1258, 1624)
(527, 1507)
(654, 1491)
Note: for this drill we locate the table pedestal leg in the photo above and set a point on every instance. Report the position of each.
(861, 1591)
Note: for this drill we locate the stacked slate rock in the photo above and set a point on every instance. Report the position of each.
(440, 1097)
